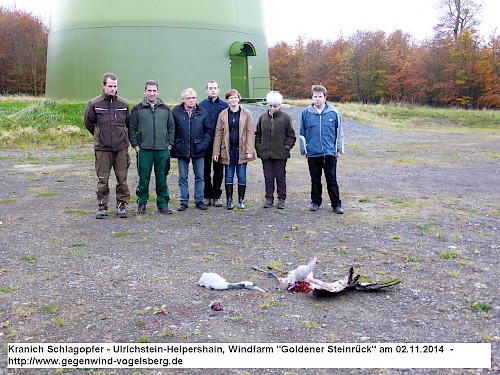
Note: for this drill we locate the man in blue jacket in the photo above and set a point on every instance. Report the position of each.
(192, 137)
(322, 143)
(214, 105)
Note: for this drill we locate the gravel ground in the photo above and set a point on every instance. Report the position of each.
(421, 206)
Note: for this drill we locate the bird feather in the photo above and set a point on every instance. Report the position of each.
(214, 281)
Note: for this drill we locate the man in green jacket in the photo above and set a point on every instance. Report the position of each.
(151, 134)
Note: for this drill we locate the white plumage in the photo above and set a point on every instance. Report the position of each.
(212, 280)
(301, 272)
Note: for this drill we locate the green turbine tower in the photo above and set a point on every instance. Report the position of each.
(178, 43)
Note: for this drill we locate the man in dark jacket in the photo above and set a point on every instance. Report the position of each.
(214, 105)
(106, 117)
(192, 137)
(151, 132)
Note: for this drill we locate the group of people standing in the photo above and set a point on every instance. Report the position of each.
(217, 137)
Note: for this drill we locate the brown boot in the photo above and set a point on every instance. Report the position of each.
(269, 203)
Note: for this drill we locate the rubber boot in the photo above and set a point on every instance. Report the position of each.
(241, 196)
(229, 196)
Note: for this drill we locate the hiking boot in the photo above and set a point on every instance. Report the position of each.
(122, 211)
(201, 206)
(182, 207)
(281, 204)
(313, 207)
(268, 204)
(165, 211)
(338, 209)
(217, 202)
(141, 209)
(101, 214)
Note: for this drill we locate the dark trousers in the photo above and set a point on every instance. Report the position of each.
(329, 165)
(146, 159)
(275, 170)
(212, 184)
(119, 161)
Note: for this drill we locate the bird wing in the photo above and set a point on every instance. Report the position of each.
(333, 287)
(372, 287)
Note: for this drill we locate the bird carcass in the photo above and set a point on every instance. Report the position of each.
(302, 279)
(211, 280)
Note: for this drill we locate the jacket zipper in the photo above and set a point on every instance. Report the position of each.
(154, 127)
(189, 133)
(111, 121)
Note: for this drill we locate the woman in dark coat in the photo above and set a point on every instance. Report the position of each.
(274, 139)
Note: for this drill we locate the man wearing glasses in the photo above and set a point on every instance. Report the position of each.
(192, 137)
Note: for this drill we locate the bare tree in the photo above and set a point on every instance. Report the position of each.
(459, 15)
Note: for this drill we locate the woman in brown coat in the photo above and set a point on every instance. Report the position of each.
(234, 145)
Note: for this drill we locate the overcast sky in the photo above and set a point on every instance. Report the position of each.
(328, 19)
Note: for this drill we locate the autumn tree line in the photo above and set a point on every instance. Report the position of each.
(23, 53)
(370, 67)
(456, 67)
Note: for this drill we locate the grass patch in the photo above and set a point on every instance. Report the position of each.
(29, 258)
(447, 255)
(75, 211)
(480, 306)
(408, 116)
(4, 201)
(78, 244)
(46, 194)
(311, 325)
(50, 309)
(5, 289)
(424, 227)
(396, 200)
(121, 234)
(270, 304)
(28, 122)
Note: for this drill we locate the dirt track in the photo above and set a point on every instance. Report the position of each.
(420, 206)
